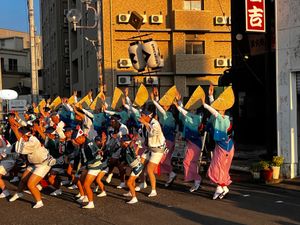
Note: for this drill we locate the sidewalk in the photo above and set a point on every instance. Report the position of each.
(239, 176)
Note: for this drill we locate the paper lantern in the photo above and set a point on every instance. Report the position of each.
(151, 53)
(135, 51)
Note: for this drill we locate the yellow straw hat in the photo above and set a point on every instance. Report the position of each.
(117, 98)
(195, 100)
(225, 100)
(142, 96)
(169, 97)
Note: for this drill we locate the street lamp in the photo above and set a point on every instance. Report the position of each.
(74, 16)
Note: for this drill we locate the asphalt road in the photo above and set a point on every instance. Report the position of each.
(245, 204)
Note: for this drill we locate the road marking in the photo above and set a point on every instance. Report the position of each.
(246, 195)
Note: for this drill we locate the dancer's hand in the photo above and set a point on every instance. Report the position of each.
(126, 92)
(211, 90)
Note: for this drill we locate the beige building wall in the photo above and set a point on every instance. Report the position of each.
(5, 33)
(15, 46)
(177, 26)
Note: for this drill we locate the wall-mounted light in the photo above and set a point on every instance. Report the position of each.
(239, 37)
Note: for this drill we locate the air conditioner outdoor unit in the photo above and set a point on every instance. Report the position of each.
(151, 80)
(220, 20)
(66, 50)
(220, 62)
(66, 42)
(123, 18)
(124, 80)
(229, 20)
(124, 63)
(229, 62)
(145, 18)
(156, 19)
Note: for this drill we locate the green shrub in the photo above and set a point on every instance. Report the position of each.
(265, 165)
(277, 160)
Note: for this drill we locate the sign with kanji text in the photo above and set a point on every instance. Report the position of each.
(255, 15)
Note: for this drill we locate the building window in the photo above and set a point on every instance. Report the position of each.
(194, 47)
(13, 64)
(193, 5)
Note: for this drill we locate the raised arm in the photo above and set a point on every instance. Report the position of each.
(81, 115)
(180, 108)
(19, 120)
(158, 106)
(109, 112)
(88, 113)
(68, 107)
(214, 112)
(211, 94)
(154, 98)
(178, 103)
(16, 132)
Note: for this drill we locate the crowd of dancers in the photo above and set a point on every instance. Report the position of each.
(85, 145)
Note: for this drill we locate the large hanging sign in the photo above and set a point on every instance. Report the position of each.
(255, 15)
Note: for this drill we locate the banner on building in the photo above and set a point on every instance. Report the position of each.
(255, 16)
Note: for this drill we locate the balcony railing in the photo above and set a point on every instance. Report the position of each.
(17, 69)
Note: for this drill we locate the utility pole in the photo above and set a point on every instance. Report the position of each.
(99, 46)
(34, 75)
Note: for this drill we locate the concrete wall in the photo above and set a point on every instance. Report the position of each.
(4, 33)
(288, 63)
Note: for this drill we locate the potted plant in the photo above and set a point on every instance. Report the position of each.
(266, 171)
(277, 162)
(255, 170)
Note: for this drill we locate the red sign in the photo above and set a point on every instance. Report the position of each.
(255, 15)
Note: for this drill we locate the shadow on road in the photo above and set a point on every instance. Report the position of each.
(192, 216)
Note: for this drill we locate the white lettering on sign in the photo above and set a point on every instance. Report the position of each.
(256, 16)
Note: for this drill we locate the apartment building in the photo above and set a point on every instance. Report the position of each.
(194, 38)
(15, 60)
(55, 38)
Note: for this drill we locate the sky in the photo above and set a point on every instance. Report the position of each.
(14, 15)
